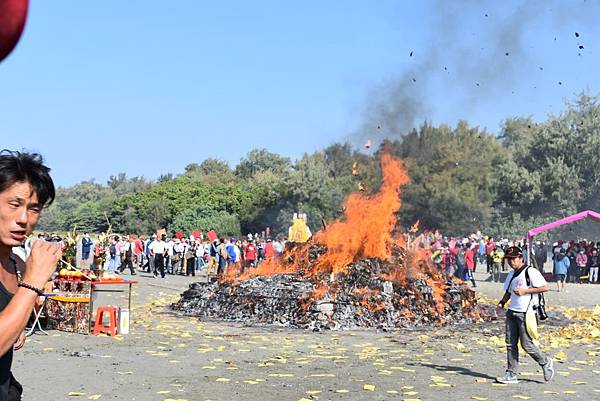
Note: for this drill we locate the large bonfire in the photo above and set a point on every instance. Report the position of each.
(358, 272)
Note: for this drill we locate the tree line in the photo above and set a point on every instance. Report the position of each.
(463, 179)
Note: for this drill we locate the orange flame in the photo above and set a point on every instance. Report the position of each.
(415, 227)
(366, 230)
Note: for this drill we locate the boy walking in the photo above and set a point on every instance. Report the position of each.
(521, 286)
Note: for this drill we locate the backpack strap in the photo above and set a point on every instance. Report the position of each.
(511, 280)
(541, 300)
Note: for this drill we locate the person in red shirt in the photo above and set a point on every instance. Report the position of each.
(250, 254)
(489, 248)
(269, 249)
(470, 261)
(138, 251)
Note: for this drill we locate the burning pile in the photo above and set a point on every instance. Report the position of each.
(353, 274)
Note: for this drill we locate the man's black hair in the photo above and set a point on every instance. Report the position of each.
(27, 167)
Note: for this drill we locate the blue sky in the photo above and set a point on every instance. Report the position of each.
(147, 87)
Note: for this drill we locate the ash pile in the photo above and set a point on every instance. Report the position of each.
(368, 295)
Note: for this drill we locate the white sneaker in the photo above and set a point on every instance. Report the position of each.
(548, 369)
(508, 378)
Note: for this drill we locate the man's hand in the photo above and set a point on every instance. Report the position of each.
(20, 341)
(41, 263)
(520, 291)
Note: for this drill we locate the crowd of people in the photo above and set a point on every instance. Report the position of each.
(574, 262)
(161, 255)
(567, 261)
(571, 261)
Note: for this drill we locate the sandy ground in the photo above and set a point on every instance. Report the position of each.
(171, 357)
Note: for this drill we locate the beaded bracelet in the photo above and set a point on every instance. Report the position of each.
(30, 287)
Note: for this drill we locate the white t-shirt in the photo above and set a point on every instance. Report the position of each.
(125, 246)
(519, 303)
(158, 247)
(170, 246)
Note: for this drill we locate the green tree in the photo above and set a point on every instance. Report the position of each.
(261, 161)
(450, 170)
(203, 218)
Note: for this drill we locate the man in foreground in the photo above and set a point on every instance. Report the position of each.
(521, 287)
(25, 189)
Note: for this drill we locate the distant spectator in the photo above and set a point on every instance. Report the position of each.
(190, 258)
(250, 254)
(540, 255)
(470, 264)
(561, 267)
(461, 262)
(573, 273)
(115, 258)
(594, 265)
(269, 250)
(158, 249)
(149, 254)
(497, 256)
(581, 260)
(138, 251)
(86, 247)
(223, 256)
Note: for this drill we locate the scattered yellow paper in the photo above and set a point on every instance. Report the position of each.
(560, 356)
(95, 397)
(163, 392)
(521, 397)
(312, 392)
(343, 390)
(569, 392)
(223, 379)
(369, 387)
(479, 398)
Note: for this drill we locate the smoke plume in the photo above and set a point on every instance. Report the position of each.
(477, 52)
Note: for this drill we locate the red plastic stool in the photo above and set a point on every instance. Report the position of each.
(99, 327)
